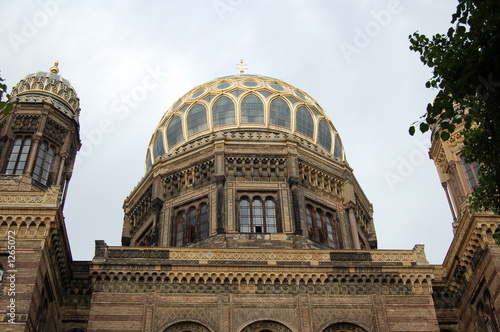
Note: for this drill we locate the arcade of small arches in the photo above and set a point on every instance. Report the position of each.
(262, 326)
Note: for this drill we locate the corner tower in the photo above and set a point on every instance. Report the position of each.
(247, 161)
(38, 144)
(467, 292)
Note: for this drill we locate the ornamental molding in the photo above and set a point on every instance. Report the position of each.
(49, 198)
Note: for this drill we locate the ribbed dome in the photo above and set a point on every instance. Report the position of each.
(34, 87)
(244, 103)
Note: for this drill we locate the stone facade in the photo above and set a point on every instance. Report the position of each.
(252, 224)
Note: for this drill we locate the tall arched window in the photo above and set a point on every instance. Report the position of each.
(191, 224)
(304, 122)
(337, 151)
(223, 112)
(43, 162)
(324, 135)
(322, 226)
(158, 147)
(197, 119)
(279, 113)
(18, 155)
(174, 131)
(258, 214)
(252, 109)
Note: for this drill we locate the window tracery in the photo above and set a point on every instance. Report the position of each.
(191, 223)
(18, 155)
(322, 225)
(258, 214)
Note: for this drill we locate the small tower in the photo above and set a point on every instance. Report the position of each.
(38, 144)
(467, 297)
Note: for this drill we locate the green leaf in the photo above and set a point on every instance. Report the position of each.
(411, 130)
(424, 127)
(445, 135)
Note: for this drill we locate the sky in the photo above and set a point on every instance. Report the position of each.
(129, 61)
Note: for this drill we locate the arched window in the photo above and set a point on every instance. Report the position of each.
(158, 147)
(279, 113)
(304, 122)
(324, 135)
(43, 162)
(197, 119)
(258, 214)
(223, 112)
(18, 155)
(252, 109)
(191, 224)
(337, 151)
(174, 131)
(322, 226)
(471, 172)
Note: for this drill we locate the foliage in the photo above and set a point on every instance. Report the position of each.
(5, 106)
(466, 64)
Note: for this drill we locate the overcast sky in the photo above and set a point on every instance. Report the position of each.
(130, 60)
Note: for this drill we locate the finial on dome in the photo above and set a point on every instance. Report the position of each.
(241, 66)
(54, 69)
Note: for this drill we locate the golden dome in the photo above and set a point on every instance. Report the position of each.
(244, 103)
(38, 86)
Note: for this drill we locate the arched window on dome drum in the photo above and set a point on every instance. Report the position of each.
(174, 132)
(197, 119)
(252, 109)
(304, 122)
(158, 147)
(223, 112)
(43, 162)
(279, 113)
(258, 215)
(337, 151)
(191, 224)
(324, 135)
(148, 160)
(18, 155)
(322, 226)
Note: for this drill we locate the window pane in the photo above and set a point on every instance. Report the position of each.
(174, 131)
(324, 135)
(252, 109)
(197, 119)
(320, 236)
(304, 123)
(223, 111)
(158, 147)
(271, 222)
(203, 221)
(258, 215)
(245, 216)
(179, 235)
(337, 152)
(280, 113)
(309, 217)
(18, 156)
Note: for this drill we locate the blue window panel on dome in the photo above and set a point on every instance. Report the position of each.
(184, 108)
(324, 135)
(315, 111)
(252, 109)
(197, 119)
(236, 93)
(158, 147)
(292, 100)
(223, 86)
(280, 113)
(174, 131)
(198, 93)
(176, 104)
(277, 87)
(265, 93)
(250, 83)
(148, 161)
(337, 152)
(223, 112)
(304, 122)
(208, 98)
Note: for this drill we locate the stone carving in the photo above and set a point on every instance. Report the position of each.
(142, 253)
(256, 168)
(25, 122)
(192, 177)
(268, 324)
